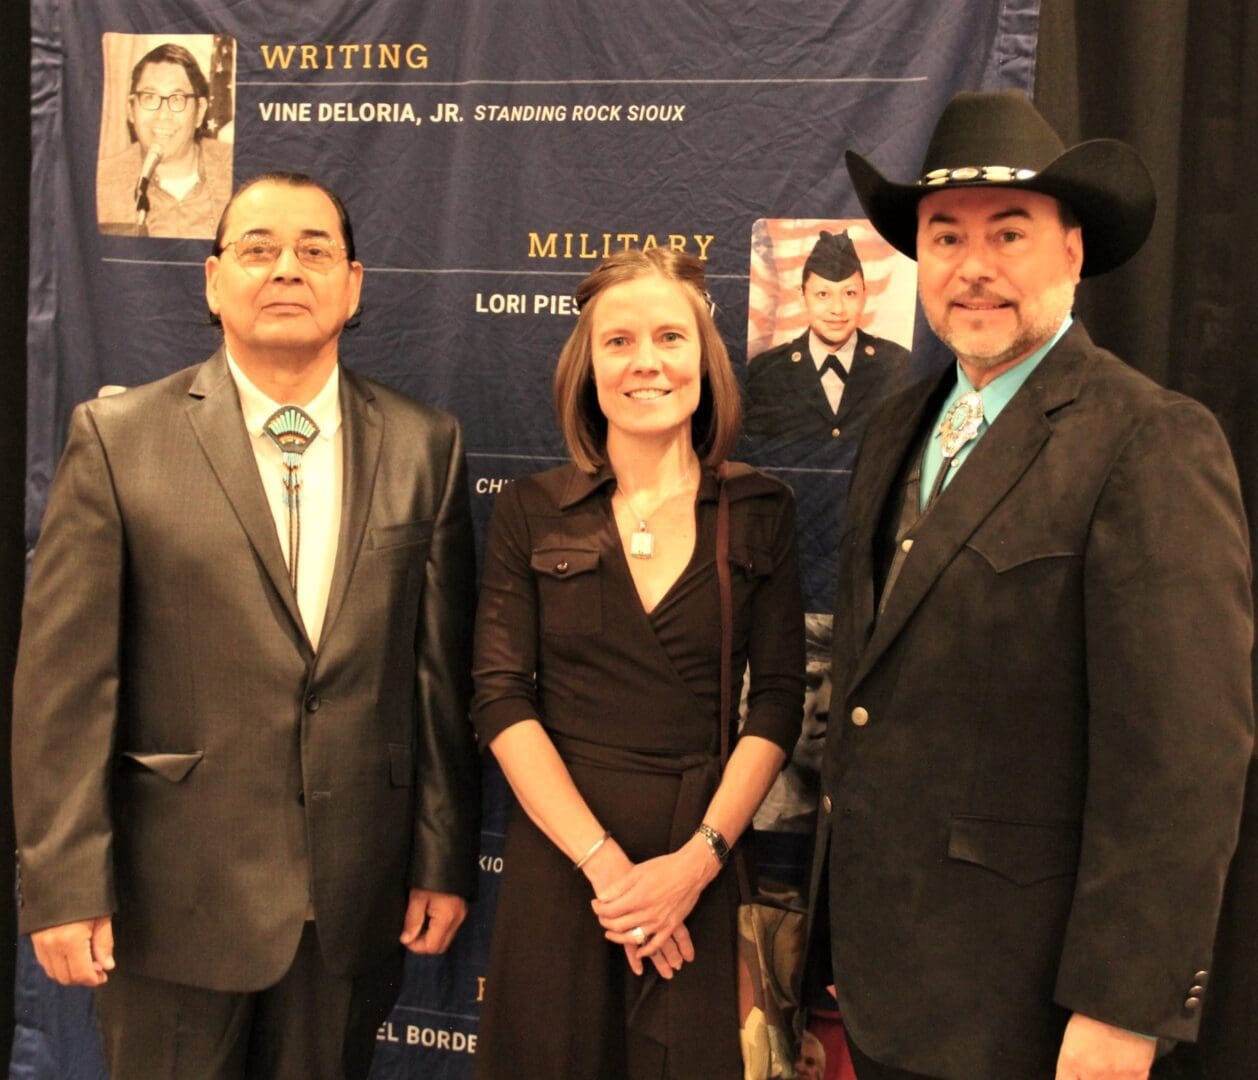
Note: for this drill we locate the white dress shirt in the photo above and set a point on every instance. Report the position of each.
(322, 472)
(830, 382)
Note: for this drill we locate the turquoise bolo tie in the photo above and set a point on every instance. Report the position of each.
(960, 425)
(292, 431)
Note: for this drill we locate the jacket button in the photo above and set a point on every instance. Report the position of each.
(561, 567)
(835, 433)
(860, 716)
(906, 545)
(312, 703)
(1196, 990)
(1192, 1004)
(826, 804)
(1201, 977)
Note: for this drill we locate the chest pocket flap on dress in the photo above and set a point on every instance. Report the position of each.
(753, 561)
(569, 591)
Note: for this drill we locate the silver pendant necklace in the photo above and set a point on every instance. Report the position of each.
(642, 540)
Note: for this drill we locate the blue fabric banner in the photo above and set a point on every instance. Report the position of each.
(490, 155)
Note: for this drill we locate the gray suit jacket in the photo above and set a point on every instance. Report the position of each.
(183, 758)
(1037, 751)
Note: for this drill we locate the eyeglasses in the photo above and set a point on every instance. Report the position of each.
(256, 251)
(151, 102)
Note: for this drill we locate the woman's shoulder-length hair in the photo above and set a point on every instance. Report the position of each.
(718, 419)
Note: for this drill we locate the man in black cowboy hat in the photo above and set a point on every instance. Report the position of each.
(823, 384)
(1042, 707)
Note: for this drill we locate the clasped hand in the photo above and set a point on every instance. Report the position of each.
(656, 896)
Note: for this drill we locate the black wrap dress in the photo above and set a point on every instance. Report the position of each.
(630, 700)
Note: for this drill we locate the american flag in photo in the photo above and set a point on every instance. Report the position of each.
(222, 84)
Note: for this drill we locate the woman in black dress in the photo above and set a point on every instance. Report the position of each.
(598, 690)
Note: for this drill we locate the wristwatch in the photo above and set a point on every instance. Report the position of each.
(715, 841)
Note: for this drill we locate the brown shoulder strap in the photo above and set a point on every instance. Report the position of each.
(727, 609)
(727, 655)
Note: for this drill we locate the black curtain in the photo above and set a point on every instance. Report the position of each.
(1176, 78)
(15, 111)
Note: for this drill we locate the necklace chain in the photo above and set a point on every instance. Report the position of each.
(642, 541)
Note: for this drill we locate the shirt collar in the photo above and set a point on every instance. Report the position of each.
(581, 485)
(999, 392)
(844, 352)
(324, 408)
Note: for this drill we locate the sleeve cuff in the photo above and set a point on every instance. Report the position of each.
(493, 718)
(776, 717)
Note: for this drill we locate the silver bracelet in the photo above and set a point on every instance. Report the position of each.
(592, 849)
(715, 841)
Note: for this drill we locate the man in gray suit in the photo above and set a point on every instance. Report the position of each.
(242, 762)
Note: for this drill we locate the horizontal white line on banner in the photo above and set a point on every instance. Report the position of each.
(434, 1012)
(413, 269)
(548, 457)
(156, 262)
(793, 468)
(468, 270)
(514, 457)
(530, 273)
(597, 82)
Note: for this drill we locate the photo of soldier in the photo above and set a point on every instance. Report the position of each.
(799, 421)
(822, 384)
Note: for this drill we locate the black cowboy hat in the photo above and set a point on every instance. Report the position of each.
(1001, 140)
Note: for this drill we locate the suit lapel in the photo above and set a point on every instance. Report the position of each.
(1003, 454)
(860, 381)
(363, 433)
(807, 383)
(892, 434)
(216, 419)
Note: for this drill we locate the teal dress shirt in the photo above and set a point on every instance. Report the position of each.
(996, 395)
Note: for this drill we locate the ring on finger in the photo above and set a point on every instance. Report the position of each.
(638, 935)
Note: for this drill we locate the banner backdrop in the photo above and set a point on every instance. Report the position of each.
(490, 155)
